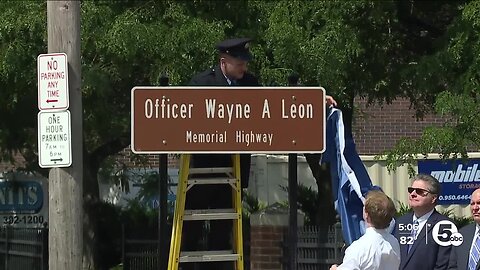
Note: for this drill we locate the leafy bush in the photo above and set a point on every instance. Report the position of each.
(459, 221)
(402, 209)
(251, 204)
(307, 202)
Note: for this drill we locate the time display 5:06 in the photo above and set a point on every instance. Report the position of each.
(408, 227)
(23, 219)
(407, 230)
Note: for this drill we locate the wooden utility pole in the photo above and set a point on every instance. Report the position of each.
(65, 241)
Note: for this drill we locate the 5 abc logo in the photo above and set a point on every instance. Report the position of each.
(445, 233)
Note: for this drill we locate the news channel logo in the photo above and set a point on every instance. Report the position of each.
(445, 233)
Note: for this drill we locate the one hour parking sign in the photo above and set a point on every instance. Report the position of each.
(54, 139)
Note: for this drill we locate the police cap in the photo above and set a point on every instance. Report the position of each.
(236, 47)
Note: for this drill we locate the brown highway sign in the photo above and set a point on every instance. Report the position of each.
(227, 120)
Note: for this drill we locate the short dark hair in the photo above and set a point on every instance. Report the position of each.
(434, 185)
(380, 209)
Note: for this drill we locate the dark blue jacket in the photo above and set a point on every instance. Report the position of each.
(460, 255)
(425, 253)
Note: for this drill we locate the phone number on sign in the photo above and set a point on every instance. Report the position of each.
(24, 219)
(454, 197)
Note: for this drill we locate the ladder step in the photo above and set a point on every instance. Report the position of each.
(210, 214)
(227, 170)
(208, 256)
(189, 177)
(209, 181)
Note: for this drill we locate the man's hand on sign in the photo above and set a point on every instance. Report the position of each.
(330, 101)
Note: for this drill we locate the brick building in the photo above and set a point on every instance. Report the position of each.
(378, 128)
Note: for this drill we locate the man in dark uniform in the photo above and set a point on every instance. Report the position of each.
(231, 70)
(234, 55)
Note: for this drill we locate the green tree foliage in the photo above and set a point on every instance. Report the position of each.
(447, 81)
(124, 44)
(373, 49)
(345, 46)
(22, 38)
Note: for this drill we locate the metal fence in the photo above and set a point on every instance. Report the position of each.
(23, 248)
(317, 248)
(140, 255)
(139, 249)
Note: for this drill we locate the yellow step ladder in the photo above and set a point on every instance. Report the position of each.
(227, 176)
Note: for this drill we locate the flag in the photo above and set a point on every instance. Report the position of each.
(350, 180)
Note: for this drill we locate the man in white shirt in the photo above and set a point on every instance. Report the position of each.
(377, 249)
